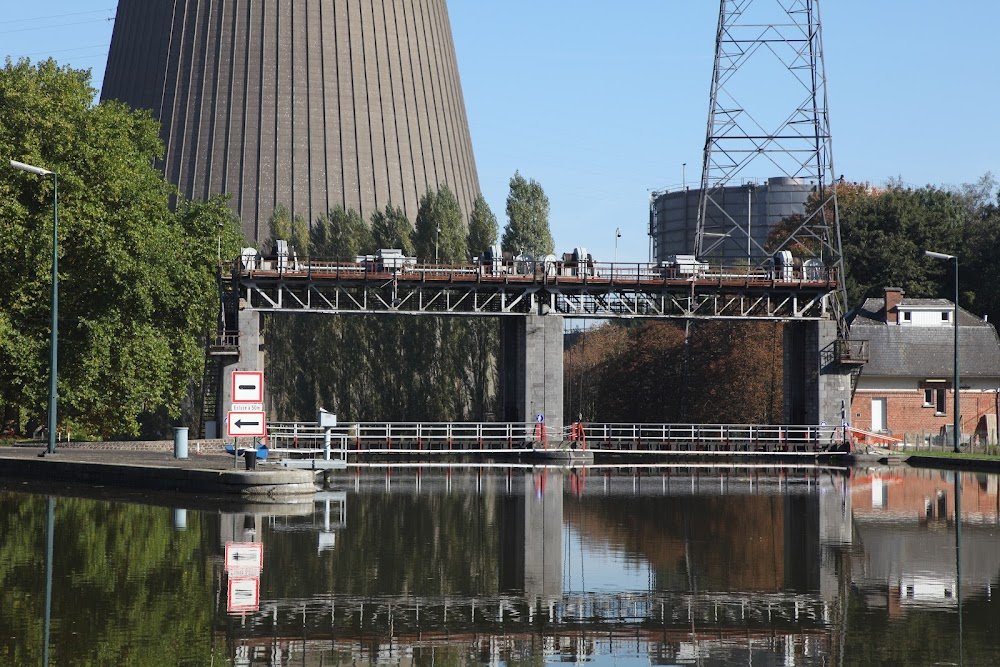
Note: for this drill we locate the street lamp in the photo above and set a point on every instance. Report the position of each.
(437, 242)
(54, 340)
(618, 235)
(942, 256)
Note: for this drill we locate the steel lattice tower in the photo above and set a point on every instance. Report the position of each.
(307, 103)
(768, 116)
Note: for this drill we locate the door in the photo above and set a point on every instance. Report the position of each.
(878, 415)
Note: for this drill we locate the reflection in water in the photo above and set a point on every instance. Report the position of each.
(670, 565)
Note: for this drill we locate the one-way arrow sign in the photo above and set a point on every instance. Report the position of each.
(246, 424)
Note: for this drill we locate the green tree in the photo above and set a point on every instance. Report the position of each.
(137, 282)
(440, 233)
(341, 235)
(391, 229)
(527, 231)
(885, 233)
(483, 227)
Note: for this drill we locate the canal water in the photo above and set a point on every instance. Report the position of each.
(678, 565)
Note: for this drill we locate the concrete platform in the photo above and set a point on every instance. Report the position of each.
(213, 473)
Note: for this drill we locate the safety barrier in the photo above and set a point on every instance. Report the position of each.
(512, 437)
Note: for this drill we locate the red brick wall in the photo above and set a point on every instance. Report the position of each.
(907, 416)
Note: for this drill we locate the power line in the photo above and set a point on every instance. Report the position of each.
(57, 16)
(56, 25)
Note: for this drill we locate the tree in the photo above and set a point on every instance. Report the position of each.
(482, 227)
(341, 235)
(885, 233)
(392, 229)
(137, 282)
(527, 231)
(440, 234)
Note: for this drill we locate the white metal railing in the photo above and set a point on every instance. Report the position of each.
(498, 437)
(716, 433)
(419, 436)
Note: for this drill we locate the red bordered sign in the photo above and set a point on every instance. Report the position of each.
(244, 594)
(248, 387)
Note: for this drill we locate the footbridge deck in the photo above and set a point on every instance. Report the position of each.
(616, 290)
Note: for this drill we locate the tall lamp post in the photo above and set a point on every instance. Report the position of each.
(54, 340)
(942, 256)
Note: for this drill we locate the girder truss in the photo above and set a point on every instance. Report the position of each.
(692, 299)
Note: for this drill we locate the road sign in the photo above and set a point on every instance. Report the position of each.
(244, 555)
(244, 594)
(246, 424)
(539, 418)
(248, 387)
(247, 407)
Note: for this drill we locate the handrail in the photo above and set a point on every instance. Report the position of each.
(511, 436)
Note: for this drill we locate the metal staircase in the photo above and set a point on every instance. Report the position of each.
(221, 350)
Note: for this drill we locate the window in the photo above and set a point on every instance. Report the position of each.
(936, 397)
(907, 316)
(946, 316)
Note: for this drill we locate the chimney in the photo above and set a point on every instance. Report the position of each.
(893, 297)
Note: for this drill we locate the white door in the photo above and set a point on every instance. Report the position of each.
(878, 415)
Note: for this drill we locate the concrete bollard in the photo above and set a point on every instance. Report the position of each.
(180, 442)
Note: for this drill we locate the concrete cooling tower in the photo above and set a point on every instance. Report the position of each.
(307, 103)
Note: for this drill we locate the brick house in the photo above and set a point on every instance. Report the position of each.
(905, 389)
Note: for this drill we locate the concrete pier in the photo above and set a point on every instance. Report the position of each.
(531, 370)
(817, 386)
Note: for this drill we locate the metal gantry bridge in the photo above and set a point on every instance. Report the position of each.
(595, 291)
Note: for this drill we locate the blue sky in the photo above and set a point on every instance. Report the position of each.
(602, 102)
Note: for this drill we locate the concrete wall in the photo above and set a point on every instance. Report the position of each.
(251, 359)
(816, 387)
(308, 103)
(531, 370)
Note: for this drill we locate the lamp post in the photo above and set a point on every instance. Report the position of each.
(942, 256)
(618, 235)
(437, 243)
(54, 340)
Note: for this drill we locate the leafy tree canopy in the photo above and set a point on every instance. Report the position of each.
(294, 229)
(527, 230)
(482, 227)
(340, 235)
(137, 281)
(440, 233)
(392, 229)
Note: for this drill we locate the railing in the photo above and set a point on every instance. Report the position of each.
(539, 272)
(852, 351)
(514, 437)
(402, 437)
(709, 438)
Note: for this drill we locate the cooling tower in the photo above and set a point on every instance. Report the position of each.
(307, 103)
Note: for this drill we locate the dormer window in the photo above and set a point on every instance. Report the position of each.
(907, 316)
(945, 316)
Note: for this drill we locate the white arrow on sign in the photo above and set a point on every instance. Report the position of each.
(246, 424)
(244, 555)
(244, 594)
(248, 387)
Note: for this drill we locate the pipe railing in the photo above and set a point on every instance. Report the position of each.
(516, 436)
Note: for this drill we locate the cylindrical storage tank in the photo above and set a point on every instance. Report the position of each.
(311, 104)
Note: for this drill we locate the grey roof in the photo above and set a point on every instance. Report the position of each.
(916, 351)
